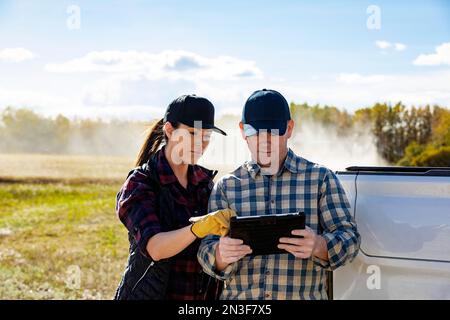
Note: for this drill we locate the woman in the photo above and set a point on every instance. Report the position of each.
(157, 200)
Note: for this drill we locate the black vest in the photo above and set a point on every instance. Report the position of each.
(143, 278)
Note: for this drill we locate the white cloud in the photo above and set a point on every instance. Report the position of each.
(50, 104)
(135, 90)
(356, 90)
(173, 64)
(440, 57)
(126, 97)
(137, 85)
(356, 78)
(349, 90)
(132, 78)
(15, 55)
(382, 44)
(400, 46)
(45, 103)
(387, 45)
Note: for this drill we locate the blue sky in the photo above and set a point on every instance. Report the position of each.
(148, 52)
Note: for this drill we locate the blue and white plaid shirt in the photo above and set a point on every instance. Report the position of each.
(299, 186)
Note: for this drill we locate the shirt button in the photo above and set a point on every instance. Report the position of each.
(267, 295)
(267, 272)
(273, 201)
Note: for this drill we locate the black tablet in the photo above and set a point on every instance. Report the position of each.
(262, 233)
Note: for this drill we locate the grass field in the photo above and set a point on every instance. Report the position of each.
(59, 235)
(63, 167)
(60, 241)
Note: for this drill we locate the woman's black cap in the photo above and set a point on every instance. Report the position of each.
(188, 109)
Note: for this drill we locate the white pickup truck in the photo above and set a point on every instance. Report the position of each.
(403, 216)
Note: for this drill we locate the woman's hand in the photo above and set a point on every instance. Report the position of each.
(215, 223)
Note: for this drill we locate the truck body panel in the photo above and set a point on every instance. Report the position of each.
(404, 222)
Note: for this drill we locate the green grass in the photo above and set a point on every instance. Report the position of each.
(60, 241)
(59, 234)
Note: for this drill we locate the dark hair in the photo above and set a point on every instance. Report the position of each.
(155, 139)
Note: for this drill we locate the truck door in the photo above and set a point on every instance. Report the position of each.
(404, 222)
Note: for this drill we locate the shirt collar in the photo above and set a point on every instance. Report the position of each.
(290, 163)
(196, 174)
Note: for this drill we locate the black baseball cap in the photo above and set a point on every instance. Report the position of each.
(187, 109)
(265, 109)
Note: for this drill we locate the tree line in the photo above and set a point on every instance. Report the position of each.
(24, 131)
(406, 136)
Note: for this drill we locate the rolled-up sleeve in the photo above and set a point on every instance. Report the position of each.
(339, 227)
(135, 207)
(207, 251)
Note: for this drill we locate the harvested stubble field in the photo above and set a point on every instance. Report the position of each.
(59, 234)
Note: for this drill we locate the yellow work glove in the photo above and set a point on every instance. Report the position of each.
(217, 223)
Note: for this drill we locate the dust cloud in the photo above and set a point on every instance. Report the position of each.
(311, 140)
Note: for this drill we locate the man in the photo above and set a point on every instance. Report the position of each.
(277, 181)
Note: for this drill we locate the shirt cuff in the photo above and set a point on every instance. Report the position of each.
(324, 263)
(144, 236)
(226, 273)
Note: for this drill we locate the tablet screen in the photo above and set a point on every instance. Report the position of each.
(262, 233)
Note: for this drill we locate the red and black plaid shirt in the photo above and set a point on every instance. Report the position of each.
(186, 274)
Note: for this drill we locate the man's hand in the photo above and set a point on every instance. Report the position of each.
(304, 248)
(230, 250)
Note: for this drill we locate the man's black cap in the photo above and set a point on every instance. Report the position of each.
(266, 109)
(187, 109)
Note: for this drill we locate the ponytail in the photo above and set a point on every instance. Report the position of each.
(154, 140)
